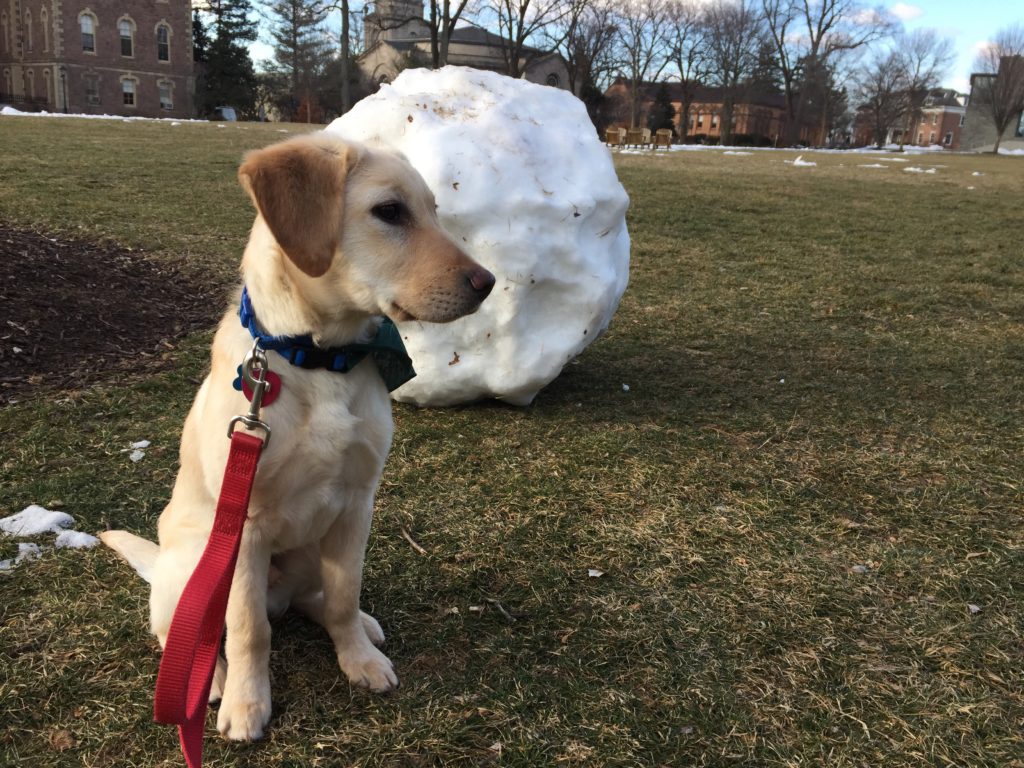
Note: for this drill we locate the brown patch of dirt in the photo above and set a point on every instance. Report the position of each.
(73, 313)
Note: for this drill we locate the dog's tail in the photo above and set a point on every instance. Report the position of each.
(140, 553)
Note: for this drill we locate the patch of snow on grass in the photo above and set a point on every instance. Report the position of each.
(26, 551)
(735, 152)
(915, 169)
(34, 520)
(874, 165)
(799, 162)
(75, 540)
(12, 112)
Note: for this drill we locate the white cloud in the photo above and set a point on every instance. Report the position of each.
(906, 12)
(868, 17)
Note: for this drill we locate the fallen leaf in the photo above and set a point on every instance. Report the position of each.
(61, 740)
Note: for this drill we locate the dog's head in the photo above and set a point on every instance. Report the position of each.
(360, 224)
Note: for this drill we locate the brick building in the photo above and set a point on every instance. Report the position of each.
(397, 36)
(940, 122)
(757, 118)
(120, 57)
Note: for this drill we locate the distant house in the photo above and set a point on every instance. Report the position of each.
(757, 118)
(940, 123)
(979, 132)
(121, 57)
(397, 37)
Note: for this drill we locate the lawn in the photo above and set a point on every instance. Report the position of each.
(806, 505)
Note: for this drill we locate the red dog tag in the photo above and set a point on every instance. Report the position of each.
(269, 394)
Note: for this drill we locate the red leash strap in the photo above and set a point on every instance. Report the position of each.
(193, 641)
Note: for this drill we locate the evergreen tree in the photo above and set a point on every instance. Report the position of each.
(227, 75)
(200, 39)
(662, 114)
(766, 77)
(301, 49)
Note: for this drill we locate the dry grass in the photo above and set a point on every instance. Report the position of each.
(824, 372)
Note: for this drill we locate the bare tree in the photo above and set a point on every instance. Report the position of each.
(999, 84)
(444, 15)
(880, 89)
(584, 38)
(893, 85)
(734, 33)
(641, 45)
(687, 51)
(520, 21)
(807, 35)
(925, 58)
(348, 36)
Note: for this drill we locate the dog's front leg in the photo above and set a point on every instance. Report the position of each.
(341, 562)
(245, 706)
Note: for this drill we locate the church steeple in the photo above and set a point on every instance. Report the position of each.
(388, 20)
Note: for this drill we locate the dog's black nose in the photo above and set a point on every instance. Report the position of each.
(482, 282)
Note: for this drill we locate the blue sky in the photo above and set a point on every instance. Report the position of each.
(967, 24)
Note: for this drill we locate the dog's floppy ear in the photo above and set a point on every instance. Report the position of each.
(298, 187)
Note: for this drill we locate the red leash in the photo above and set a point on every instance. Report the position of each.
(193, 641)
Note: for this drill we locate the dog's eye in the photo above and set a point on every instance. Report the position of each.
(391, 213)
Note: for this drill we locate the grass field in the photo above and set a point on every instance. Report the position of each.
(824, 369)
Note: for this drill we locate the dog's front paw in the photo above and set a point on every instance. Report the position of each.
(243, 719)
(220, 674)
(372, 629)
(367, 667)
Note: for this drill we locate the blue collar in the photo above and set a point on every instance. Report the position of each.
(386, 349)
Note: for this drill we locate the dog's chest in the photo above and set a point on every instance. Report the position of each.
(325, 460)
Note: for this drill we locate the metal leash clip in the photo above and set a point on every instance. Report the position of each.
(254, 372)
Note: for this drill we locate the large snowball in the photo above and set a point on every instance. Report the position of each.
(525, 186)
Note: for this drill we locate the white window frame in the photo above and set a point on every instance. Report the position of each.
(90, 17)
(133, 90)
(123, 22)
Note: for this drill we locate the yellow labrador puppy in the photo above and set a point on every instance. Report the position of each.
(343, 234)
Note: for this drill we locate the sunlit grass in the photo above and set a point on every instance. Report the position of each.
(815, 470)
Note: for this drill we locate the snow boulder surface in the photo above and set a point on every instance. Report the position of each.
(524, 185)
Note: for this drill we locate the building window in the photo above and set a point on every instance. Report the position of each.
(948, 139)
(935, 118)
(92, 89)
(128, 92)
(5, 28)
(553, 80)
(44, 20)
(166, 95)
(1020, 126)
(30, 83)
(931, 137)
(49, 87)
(88, 25)
(963, 119)
(163, 43)
(920, 137)
(125, 28)
(29, 37)
(700, 120)
(714, 121)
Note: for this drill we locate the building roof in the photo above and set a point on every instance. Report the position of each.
(944, 97)
(704, 94)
